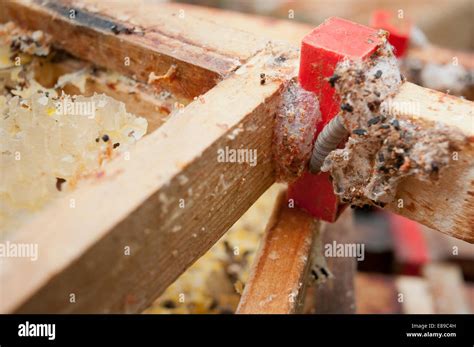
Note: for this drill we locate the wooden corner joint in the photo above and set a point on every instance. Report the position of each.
(147, 208)
(136, 202)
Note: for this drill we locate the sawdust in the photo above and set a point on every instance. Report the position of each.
(382, 148)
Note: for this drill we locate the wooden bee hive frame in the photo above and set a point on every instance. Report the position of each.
(137, 202)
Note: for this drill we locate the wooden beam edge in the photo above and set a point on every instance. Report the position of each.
(136, 54)
(278, 277)
(446, 205)
(137, 204)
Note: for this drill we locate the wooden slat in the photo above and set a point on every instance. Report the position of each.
(203, 52)
(278, 278)
(137, 203)
(446, 205)
(457, 222)
(428, 203)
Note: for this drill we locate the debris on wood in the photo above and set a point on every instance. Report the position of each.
(382, 149)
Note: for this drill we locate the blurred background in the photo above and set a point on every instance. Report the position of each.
(447, 22)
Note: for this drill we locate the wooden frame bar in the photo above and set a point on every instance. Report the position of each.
(448, 204)
(279, 274)
(101, 35)
(137, 203)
